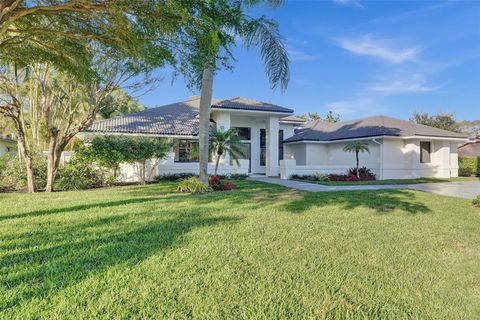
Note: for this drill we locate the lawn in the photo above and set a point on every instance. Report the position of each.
(392, 181)
(259, 252)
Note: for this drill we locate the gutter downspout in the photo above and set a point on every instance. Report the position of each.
(381, 157)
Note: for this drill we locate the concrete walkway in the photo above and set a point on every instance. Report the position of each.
(467, 189)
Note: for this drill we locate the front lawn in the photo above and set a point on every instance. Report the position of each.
(392, 181)
(263, 251)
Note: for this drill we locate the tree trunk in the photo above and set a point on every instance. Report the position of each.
(25, 154)
(358, 170)
(204, 122)
(217, 161)
(51, 162)
(30, 176)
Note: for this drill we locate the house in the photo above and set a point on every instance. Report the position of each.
(262, 127)
(7, 145)
(471, 148)
(278, 143)
(398, 149)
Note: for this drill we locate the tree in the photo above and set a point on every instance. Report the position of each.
(210, 50)
(445, 121)
(357, 147)
(222, 142)
(330, 117)
(119, 103)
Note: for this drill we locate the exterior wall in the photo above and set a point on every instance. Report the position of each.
(402, 159)
(5, 145)
(392, 159)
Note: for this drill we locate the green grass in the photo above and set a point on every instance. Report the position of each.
(393, 181)
(145, 252)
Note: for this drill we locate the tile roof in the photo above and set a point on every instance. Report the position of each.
(367, 127)
(179, 118)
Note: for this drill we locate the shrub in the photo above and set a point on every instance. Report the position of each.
(238, 176)
(193, 185)
(476, 201)
(305, 177)
(217, 184)
(365, 173)
(321, 177)
(468, 166)
(78, 174)
(14, 174)
(174, 176)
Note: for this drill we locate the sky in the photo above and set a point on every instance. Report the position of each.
(361, 58)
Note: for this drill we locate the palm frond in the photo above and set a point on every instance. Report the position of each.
(264, 33)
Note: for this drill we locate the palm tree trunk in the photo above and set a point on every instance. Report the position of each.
(358, 171)
(204, 122)
(216, 163)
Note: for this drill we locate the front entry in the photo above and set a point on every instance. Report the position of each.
(247, 151)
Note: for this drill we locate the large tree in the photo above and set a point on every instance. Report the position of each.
(211, 50)
(445, 121)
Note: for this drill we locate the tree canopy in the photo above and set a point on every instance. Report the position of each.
(445, 121)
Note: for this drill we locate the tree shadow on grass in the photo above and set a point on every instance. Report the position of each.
(382, 201)
(77, 208)
(35, 273)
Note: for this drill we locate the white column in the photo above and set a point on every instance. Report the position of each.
(272, 127)
(223, 120)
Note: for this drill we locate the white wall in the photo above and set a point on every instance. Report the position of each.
(4, 145)
(394, 159)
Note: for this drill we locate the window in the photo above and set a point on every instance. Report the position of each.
(186, 151)
(243, 133)
(425, 151)
(263, 147)
(280, 145)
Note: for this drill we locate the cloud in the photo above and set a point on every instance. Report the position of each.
(349, 2)
(414, 83)
(378, 48)
(363, 106)
(297, 55)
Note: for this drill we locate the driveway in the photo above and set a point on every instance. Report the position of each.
(467, 189)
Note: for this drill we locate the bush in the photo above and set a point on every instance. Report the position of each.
(238, 176)
(174, 176)
(321, 177)
(78, 174)
(193, 185)
(365, 173)
(476, 201)
(305, 177)
(217, 184)
(14, 175)
(468, 166)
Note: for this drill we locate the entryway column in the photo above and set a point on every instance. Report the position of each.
(272, 168)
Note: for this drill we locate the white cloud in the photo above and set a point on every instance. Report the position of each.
(297, 55)
(349, 2)
(358, 107)
(414, 83)
(378, 48)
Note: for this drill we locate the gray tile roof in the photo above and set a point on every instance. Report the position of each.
(240, 103)
(367, 127)
(174, 119)
(293, 119)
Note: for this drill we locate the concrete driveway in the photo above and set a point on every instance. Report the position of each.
(466, 189)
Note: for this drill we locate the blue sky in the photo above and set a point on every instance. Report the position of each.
(362, 58)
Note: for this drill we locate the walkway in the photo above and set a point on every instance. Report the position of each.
(467, 189)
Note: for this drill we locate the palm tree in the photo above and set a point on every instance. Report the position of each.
(254, 33)
(357, 147)
(222, 142)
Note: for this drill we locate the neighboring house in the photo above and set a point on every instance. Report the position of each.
(398, 149)
(471, 148)
(277, 142)
(7, 145)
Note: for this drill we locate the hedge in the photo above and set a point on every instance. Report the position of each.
(469, 166)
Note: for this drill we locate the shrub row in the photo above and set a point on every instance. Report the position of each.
(351, 175)
(468, 166)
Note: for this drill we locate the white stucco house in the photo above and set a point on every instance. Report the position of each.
(7, 145)
(279, 144)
